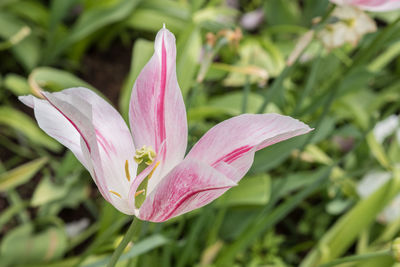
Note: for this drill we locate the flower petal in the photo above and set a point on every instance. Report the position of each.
(95, 132)
(189, 186)
(385, 6)
(230, 146)
(55, 125)
(371, 5)
(157, 111)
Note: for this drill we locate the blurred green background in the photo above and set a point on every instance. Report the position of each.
(300, 204)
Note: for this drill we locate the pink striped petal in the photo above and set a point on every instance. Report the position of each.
(230, 146)
(189, 186)
(157, 111)
(55, 125)
(114, 141)
(96, 134)
(386, 6)
(371, 5)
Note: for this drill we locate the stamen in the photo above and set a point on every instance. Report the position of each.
(152, 171)
(139, 192)
(128, 176)
(115, 193)
(146, 154)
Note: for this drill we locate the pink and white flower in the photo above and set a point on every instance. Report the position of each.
(351, 26)
(169, 183)
(371, 5)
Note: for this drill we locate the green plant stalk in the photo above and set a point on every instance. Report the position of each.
(276, 86)
(100, 239)
(219, 219)
(321, 118)
(203, 69)
(195, 232)
(357, 258)
(309, 84)
(131, 235)
(287, 70)
(364, 54)
(246, 91)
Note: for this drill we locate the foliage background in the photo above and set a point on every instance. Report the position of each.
(299, 204)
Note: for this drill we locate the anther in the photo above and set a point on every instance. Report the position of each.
(115, 193)
(128, 176)
(152, 171)
(139, 192)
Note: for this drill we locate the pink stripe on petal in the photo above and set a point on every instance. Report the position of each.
(189, 186)
(161, 98)
(95, 133)
(70, 106)
(55, 125)
(233, 155)
(69, 119)
(157, 112)
(232, 143)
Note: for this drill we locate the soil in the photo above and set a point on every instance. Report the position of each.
(107, 70)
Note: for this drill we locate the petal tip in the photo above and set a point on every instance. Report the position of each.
(28, 100)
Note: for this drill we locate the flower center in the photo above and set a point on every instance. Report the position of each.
(144, 157)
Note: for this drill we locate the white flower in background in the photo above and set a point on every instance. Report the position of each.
(369, 184)
(372, 181)
(351, 26)
(375, 179)
(76, 227)
(387, 127)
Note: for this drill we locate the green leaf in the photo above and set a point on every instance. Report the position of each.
(99, 17)
(229, 104)
(26, 48)
(254, 190)
(188, 49)
(378, 151)
(47, 191)
(92, 20)
(137, 249)
(43, 246)
(345, 231)
(152, 20)
(25, 125)
(282, 12)
(20, 175)
(55, 80)
(31, 10)
(16, 84)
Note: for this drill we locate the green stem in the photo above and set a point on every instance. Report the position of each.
(246, 91)
(131, 235)
(357, 258)
(275, 87)
(311, 80)
(365, 54)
